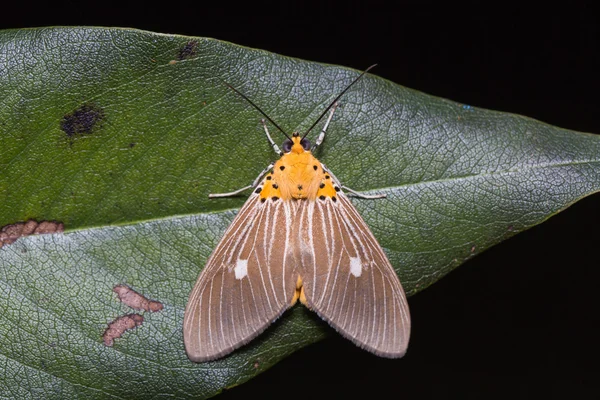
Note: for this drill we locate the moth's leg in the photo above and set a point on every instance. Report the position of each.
(364, 196)
(236, 192)
(353, 192)
(322, 134)
(271, 142)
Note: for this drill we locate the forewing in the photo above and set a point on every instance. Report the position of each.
(247, 282)
(348, 280)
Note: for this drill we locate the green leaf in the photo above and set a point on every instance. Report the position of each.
(121, 134)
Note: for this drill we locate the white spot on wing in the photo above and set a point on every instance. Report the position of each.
(355, 266)
(241, 269)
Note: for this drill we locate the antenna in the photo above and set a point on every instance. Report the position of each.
(258, 108)
(337, 98)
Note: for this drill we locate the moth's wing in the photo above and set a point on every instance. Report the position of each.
(348, 280)
(247, 282)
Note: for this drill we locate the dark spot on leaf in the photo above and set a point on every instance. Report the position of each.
(132, 145)
(189, 50)
(119, 326)
(133, 299)
(10, 233)
(82, 121)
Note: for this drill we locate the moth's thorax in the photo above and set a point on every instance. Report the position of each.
(297, 175)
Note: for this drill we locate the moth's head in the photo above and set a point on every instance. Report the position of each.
(296, 144)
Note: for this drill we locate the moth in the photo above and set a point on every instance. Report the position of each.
(297, 237)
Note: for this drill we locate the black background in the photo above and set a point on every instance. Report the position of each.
(522, 319)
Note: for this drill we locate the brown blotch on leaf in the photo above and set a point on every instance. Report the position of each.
(82, 121)
(473, 249)
(119, 326)
(189, 50)
(133, 299)
(10, 233)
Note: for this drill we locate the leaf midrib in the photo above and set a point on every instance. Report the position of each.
(375, 190)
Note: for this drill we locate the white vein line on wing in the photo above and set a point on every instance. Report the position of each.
(337, 255)
(254, 299)
(266, 291)
(330, 249)
(311, 211)
(334, 216)
(245, 328)
(209, 314)
(288, 224)
(272, 218)
(223, 338)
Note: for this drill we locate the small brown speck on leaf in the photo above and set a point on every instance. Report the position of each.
(119, 325)
(133, 299)
(10, 233)
(473, 249)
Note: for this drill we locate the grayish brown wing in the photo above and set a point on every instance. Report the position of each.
(247, 283)
(348, 280)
